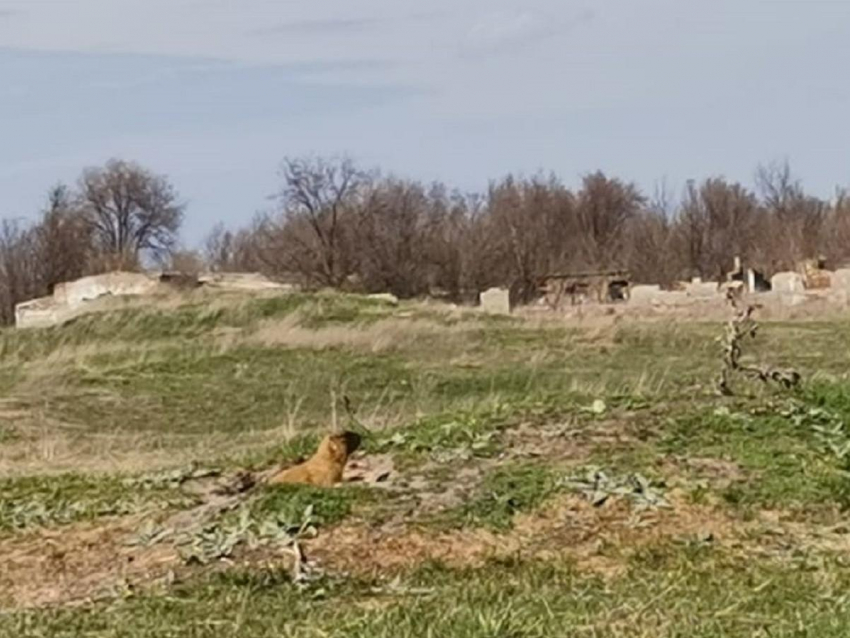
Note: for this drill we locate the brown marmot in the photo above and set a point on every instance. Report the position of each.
(325, 467)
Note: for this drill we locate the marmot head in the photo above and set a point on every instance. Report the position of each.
(339, 446)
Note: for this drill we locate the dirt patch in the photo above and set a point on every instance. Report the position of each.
(571, 442)
(90, 561)
(787, 535)
(717, 472)
(357, 549)
(596, 538)
(563, 441)
(80, 563)
(715, 468)
(720, 471)
(376, 470)
(428, 495)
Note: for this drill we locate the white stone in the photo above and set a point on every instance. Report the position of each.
(496, 301)
(788, 283)
(385, 296)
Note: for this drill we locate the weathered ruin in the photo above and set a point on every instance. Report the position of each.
(810, 285)
(601, 287)
(815, 275)
(72, 298)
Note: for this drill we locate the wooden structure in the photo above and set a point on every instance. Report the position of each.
(602, 287)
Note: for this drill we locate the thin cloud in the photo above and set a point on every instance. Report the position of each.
(501, 31)
(318, 27)
(336, 26)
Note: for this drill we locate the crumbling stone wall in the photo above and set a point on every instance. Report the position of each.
(73, 297)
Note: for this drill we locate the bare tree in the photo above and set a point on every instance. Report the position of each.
(62, 240)
(604, 207)
(240, 251)
(651, 251)
(393, 235)
(718, 221)
(185, 262)
(130, 211)
(797, 231)
(218, 248)
(18, 268)
(530, 225)
(837, 230)
(317, 198)
(459, 249)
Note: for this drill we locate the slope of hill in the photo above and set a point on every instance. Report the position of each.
(518, 478)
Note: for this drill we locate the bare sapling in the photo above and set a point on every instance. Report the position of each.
(739, 328)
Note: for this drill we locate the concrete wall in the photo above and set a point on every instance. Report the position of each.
(702, 289)
(645, 294)
(240, 281)
(72, 297)
(39, 313)
(75, 293)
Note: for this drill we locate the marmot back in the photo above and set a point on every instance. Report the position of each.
(326, 466)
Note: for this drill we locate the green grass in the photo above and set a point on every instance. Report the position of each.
(790, 451)
(470, 433)
(666, 593)
(504, 492)
(196, 391)
(193, 319)
(447, 395)
(41, 501)
(290, 502)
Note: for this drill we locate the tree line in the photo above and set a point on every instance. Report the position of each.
(116, 216)
(338, 225)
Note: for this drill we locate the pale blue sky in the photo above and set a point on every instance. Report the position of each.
(215, 92)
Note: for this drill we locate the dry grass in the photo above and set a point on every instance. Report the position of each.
(385, 335)
(398, 364)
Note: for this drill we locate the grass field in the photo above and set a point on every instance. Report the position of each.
(521, 477)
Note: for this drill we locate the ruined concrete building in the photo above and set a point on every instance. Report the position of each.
(600, 287)
(810, 282)
(72, 298)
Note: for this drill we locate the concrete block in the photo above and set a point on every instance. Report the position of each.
(841, 279)
(39, 313)
(788, 283)
(496, 301)
(644, 294)
(703, 289)
(75, 293)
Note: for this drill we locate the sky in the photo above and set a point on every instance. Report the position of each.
(215, 93)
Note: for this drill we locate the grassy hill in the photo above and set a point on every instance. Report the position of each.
(521, 477)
